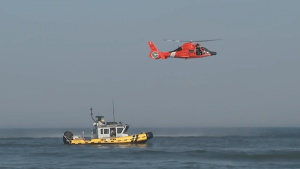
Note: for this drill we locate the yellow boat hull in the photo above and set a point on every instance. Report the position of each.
(137, 138)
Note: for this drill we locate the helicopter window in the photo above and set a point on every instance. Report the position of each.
(119, 130)
(191, 51)
(101, 131)
(178, 49)
(106, 131)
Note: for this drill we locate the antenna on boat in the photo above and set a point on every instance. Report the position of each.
(92, 114)
(113, 109)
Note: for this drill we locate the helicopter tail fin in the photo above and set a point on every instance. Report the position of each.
(154, 52)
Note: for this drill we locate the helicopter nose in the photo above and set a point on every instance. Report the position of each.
(213, 53)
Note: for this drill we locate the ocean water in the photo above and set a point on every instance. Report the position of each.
(220, 148)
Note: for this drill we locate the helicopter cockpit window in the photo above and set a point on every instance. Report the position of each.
(205, 49)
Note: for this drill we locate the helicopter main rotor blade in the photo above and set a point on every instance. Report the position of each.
(206, 40)
(192, 40)
(173, 40)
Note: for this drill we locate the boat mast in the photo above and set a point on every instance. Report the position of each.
(92, 114)
(113, 109)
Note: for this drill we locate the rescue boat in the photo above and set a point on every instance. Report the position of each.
(107, 133)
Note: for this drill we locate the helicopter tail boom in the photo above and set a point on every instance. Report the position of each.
(154, 52)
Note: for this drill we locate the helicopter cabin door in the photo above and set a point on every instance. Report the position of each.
(192, 52)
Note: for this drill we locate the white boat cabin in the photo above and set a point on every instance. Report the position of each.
(108, 129)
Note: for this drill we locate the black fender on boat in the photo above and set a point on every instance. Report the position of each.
(67, 137)
(149, 135)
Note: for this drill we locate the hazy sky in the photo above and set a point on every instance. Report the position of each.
(59, 58)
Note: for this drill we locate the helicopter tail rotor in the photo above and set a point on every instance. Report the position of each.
(154, 52)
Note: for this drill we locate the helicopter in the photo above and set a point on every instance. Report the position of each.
(188, 50)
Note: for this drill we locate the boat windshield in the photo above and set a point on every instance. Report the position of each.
(119, 130)
(125, 131)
